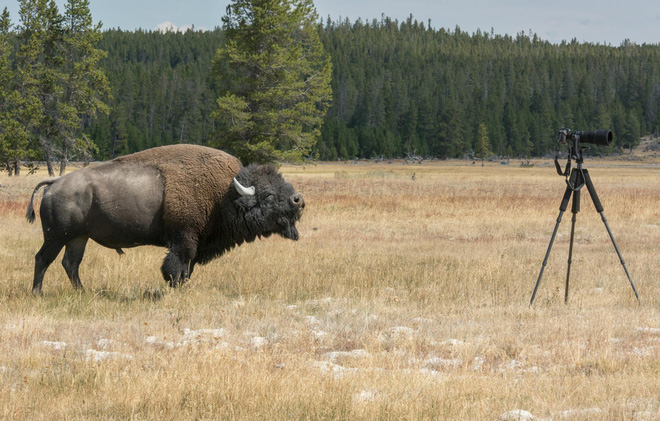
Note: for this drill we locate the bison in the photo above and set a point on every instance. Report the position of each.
(198, 202)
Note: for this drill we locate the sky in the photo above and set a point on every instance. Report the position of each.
(595, 21)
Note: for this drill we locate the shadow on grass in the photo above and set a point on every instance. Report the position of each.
(75, 299)
(152, 294)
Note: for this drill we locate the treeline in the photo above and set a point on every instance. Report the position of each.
(405, 88)
(399, 88)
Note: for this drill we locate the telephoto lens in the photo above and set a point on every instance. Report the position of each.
(596, 137)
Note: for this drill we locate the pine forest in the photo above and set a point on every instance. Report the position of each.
(398, 89)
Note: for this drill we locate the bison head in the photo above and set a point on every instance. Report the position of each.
(269, 204)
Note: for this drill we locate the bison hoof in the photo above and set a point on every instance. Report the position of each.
(176, 283)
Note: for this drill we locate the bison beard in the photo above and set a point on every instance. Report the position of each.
(196, 201)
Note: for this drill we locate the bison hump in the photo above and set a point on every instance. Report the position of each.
(197, 178)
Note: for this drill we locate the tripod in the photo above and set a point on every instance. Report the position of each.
(579, 177)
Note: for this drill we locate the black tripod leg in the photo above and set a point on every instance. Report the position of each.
(600, 210)
(575, 209)
(562, 209)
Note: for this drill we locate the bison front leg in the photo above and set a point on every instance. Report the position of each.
(178, 265)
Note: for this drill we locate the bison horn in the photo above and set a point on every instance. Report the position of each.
(243, 191)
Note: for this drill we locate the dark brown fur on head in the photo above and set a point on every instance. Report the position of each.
(275, 206)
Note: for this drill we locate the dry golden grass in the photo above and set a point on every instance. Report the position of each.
(402, 300)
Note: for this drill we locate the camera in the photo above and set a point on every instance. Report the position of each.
(594, 137)
(574, 139)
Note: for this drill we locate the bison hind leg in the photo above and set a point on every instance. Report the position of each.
(44, 257)
(73, 255)
(175, 270)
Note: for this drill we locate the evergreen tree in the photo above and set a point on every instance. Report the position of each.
(57, 82)
(482, 150)
(276, 89)
(24, 104)
(84, 85)
(49, 80)
(454, 144)
(629, 136)
(7, 122)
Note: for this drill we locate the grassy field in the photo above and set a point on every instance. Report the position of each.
(403, 300)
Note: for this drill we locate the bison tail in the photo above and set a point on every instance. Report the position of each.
(30, 215)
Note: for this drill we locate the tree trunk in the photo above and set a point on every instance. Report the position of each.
(17, 167)
(63, 163)
(49, 165)
(65, 159)
(48, 156)
(114, 147)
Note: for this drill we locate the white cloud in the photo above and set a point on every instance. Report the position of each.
(168, 26)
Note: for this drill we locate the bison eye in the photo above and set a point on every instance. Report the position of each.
(267, 196)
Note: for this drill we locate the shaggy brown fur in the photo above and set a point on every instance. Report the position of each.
(197, 178)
